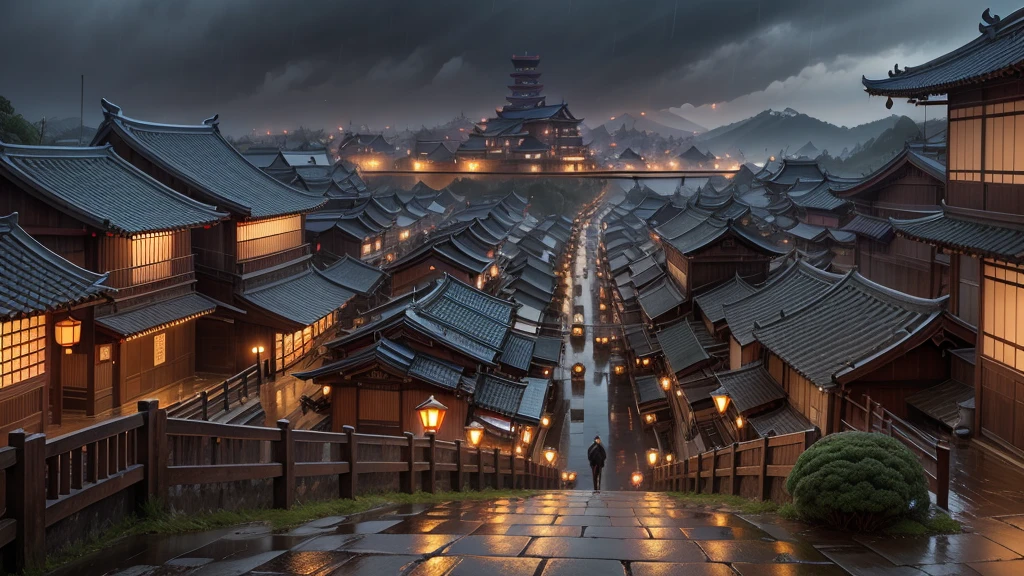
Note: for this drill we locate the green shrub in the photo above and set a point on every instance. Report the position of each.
(858, 481)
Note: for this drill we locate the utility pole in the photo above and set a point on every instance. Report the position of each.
(81, 113)
(42, 130)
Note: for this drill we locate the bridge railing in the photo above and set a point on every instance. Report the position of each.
(91, 475)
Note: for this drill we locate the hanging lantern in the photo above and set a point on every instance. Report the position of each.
(646, 361)
(668, 458)
(495, 271)
(527, 434)
(578, 369)
(649, 418)
(721, 402)
(739, 422)
(550, 454)
(666, 383)
(431, 415)
(545, 421)
(652, 456)
(519, 449)
(68, 332)
(572, 476)
(474, 434)
(620, 370)
(637, 478)
(565, 476)
(326, 390)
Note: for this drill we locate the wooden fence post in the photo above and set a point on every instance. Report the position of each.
(942, 475)
(870, 413)
(763, 491)
(479, 483)
(734, 482)
(431, 486)
(204, 400)
(714, 464)
(497, 469)
(456, 481)
(515, 476)
(227, 397)
(284, 454)
(686, 475)
(149, 451)
(348, 482)
(408, 482)
(700, 470)
(26, 502)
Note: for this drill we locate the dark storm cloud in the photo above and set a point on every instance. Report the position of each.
(272, 64)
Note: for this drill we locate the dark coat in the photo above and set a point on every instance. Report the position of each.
(596, 455)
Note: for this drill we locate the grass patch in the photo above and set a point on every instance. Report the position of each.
(155, 519)
(937, 523)
(734, 503)
(788, 511)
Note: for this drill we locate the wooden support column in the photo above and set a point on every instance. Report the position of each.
(284, 454)
(514, 475)
(734, 481)
(497, 469)
(479, 468)
(26, 503)
(456, 481)
(148, 451)
(763, 492)
(700, 470)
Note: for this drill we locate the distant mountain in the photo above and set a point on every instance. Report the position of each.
(875, 152)
(774, 130)
(65, 131)
(657, 122)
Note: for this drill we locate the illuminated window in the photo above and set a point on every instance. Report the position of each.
(403, 235)
(965, 144)
(289, 348)
(480, 282)
(104, 352)
(22, 349)
(377, 244)
(1003, 314)
(268, 236)
(159, 349)
(151, 257)
(367, 248)
(1004, 125)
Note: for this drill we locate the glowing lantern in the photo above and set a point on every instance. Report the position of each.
(666, 383)
(565, 476)
(519, 450)
(326, 390)
(550, 454)
(649, 418)
(739, 422)
(646, 362)
(527, 434)
(495, 271)
(547, 372)
(572, 476)
(68, 332)
(578, 369)
(652, 456)
(637, 478)
(668, 458)
(545, 421)
(721, 402)
(431, 415)
(620, 370)
(474, 434)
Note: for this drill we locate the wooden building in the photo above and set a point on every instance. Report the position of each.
(857, 337)
(38, 288)
(95, 209)
(909, 185)
(982, 222)
(458, 255)
(257, 262)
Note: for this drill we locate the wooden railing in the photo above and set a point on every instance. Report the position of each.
(933, 453)
(213, 260)
(143, 455)
(752, 469)
(218, 398)
(151, 277)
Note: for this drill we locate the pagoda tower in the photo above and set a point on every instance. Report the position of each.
(526, 87)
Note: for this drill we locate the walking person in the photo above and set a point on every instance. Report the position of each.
(596, 455)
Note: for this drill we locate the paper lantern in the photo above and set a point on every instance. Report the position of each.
(68, 332)
(431, 415)
(474, 434)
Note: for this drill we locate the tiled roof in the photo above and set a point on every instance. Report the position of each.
(355, 275)
(877, 229)
(499, 394)
(815, 233)
(33, 279)
(958, 231)
(681, 348)
(531, 407)
(845, 326)
(779, 422)
(648, 390)
(819, 198)
(793, 170)
(156, 315)
(641, 341)
(792, 288)
(98, 187)
(936, 170)
(998, 51)
(648, 275)
(536, 113)
(548, 350)
(518, 351)
(682, 223)
(942, 402)
(303, 298)
(416, 364)
(660, 297)
(711, 302)
(203, 159)
(749, 387)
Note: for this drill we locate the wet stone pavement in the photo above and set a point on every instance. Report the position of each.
(554, 533)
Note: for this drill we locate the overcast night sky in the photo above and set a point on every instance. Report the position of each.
(268, 65)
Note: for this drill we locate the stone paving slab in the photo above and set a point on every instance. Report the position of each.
(476, 566)
(369, 565)
(999, 532)
(860, 561)
(1013, 568)
(615, 532)
(575, 567)
(608, 549)
(788, 570)
(302, 562)
(963, 548)
(488, 546)
(676, 569)
(758, 552)
(400, 543)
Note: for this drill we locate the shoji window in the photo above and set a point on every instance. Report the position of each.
(22, 349)
(965, 144)
(151, 257)
(263, 237)
(1003, 315)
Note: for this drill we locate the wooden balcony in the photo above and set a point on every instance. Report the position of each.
(147, 278)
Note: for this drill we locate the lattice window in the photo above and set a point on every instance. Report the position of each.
(269, 236)
(1003, 315)
(151, 257)
(22, 349)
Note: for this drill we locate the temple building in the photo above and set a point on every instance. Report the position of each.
(527, 134)
(981, 224)
(39, 292)
(93, 208)
(257, 262)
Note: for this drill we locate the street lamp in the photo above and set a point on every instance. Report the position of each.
(431, 415)
(550, 454)
(666, 383)
(721, 402)
(668, 458)
(637, 478)
(739, 422)
(652, 456)
(545, 421)
(474, 434)
(519, 449)
(527, 434)
(68, 332)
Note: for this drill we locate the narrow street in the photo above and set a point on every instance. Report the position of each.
(595, 406)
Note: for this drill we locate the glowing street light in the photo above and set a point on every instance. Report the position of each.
(431, 414)
(545, 421)
(527, 434)
(721, 402)
(666, 383)
(67, 332)
(739, 422)
(637, 478)
(668, 458)
(652, 456)
(550, 454)
(474, 434)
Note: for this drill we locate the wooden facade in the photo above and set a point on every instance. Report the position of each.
(407, 275)
(716, 263)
